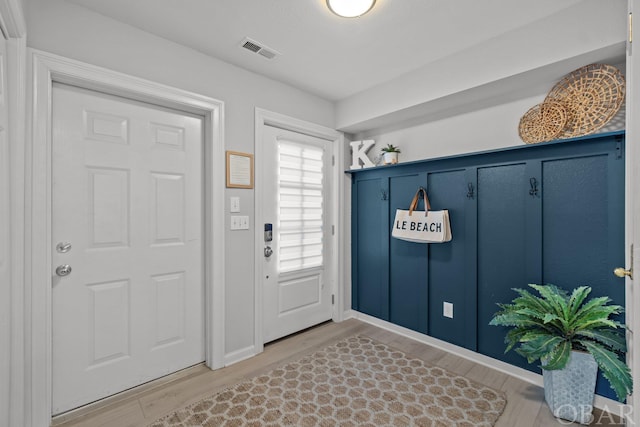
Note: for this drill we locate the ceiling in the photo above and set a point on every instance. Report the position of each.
(321, 53)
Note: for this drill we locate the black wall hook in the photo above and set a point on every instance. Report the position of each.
(534, 187)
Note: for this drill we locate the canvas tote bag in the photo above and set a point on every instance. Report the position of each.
(421, 226)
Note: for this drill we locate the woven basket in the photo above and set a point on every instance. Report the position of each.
(543, 122)
(591, 95)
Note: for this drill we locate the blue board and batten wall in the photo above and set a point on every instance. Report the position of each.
(544, 213)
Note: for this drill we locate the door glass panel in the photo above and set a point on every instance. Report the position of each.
(300, 206)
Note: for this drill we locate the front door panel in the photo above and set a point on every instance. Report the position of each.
(296, 283)
(127, 221)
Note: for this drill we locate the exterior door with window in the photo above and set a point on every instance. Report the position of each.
(297, 259)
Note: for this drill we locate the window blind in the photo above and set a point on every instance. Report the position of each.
(300, 206)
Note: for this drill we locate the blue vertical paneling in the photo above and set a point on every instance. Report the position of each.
(408, 263)
(576, 229)
(448, 279)
(355, 280)
(502, 228)
(575, 221)
(567, 229)
(370, 273)
(615, 205)
(471, 259)
(533, 220)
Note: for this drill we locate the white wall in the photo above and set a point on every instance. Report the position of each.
(486, 129)
(480, 130)
(65, 29)
(515, 61)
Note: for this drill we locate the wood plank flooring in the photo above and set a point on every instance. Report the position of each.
(143, 405)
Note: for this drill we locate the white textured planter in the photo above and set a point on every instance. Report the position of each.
(390, 158)
(569, 392)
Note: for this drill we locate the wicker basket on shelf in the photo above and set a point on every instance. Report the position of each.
(543, 122)
(591, 96)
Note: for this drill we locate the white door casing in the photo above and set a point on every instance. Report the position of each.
(5, 240)
(49, 68)
(632, 223)
(127, 190)
(12, 204)
(333, 280)
(295, 197)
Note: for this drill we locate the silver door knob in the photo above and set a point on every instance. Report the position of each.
(63, 270)
(268, 251)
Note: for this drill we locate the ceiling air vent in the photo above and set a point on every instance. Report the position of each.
(258, 48)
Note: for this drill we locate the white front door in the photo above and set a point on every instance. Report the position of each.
(127, 219)
(297, 266)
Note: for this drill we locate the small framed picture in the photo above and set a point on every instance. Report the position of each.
(239, 170)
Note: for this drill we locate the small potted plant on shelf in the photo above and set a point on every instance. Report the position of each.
(390, 154)
(572, 337)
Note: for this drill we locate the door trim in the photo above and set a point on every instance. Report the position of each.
(48, 68)
(264, 118)
(632, 222)
(13, 27)
(12, 19)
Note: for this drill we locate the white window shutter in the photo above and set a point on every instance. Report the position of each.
(300, 206)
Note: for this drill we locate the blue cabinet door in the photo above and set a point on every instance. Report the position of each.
(407, 262)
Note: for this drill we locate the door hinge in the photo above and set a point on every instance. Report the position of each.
(630, 28)
(333, 230)
(333, 160)
(631, 263)
(333, 299)
(622, 272)
(618, 149)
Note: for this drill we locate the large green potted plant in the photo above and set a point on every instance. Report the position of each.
(571, 336)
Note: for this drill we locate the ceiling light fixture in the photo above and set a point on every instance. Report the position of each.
(350, 8)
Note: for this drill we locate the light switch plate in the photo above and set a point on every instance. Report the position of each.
(447, 310)
(239, 222)
(235, 222)
(234, 204)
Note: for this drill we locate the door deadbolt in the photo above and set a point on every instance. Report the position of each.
(63, 270)
(63, 247)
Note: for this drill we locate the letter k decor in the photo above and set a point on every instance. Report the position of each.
(359, 153)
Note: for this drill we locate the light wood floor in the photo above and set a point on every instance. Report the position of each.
(141, 406)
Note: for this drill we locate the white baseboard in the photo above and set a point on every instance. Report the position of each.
(239, 355)
(600, 402)
(349, 314)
